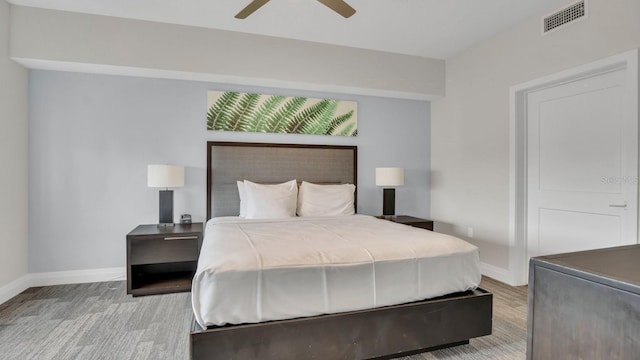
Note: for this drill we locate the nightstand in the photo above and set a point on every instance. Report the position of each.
(162, 260)
(410, 220)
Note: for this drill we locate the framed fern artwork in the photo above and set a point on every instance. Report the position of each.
(235, 111)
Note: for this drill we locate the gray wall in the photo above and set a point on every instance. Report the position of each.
(13, 161)
(92, 136)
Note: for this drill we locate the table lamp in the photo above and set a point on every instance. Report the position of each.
(389, 177)
(165, 176)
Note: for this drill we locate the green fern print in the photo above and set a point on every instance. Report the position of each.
(234, 111)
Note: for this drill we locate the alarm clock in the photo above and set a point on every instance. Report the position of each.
(185, 219)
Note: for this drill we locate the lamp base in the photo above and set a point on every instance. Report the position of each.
(167, 225)
(389, 202)
(166, 207)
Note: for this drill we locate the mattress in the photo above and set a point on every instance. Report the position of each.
(252, 271)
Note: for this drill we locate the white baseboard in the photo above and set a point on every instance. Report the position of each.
(59, 278)
(78, 276)
(497, 273)
(14, 288)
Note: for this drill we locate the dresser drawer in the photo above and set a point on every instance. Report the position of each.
(164, 249)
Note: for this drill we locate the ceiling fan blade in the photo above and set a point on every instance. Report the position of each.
(249, 9)
(339, 6)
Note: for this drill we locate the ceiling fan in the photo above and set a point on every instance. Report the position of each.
(338, 6)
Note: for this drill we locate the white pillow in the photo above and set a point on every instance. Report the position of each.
(325, 200)
(271, 201)
(243, 199)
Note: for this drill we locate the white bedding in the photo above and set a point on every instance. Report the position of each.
(259, 270)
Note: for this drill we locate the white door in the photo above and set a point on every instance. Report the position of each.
(582, 172)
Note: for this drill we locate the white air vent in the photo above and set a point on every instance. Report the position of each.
(564, 16)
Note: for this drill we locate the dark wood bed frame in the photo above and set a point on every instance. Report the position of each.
(385, 332)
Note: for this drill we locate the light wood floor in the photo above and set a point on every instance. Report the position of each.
(99, 321)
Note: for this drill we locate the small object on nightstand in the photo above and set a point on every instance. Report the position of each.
(162, 260)
(410, 220)
(185, 219)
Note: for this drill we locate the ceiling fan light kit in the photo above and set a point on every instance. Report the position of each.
(339, 6)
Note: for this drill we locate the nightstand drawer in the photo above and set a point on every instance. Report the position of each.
(427, 225)
(410, 221)
(164, 249)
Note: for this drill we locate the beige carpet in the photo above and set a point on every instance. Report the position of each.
(99, 321)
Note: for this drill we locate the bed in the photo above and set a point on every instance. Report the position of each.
(384, 313)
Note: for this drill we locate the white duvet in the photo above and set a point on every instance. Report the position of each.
(259, 270)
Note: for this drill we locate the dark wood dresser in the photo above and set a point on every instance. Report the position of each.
(585, 305)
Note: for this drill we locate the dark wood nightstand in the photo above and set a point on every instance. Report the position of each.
(162, 260)
(410, 220)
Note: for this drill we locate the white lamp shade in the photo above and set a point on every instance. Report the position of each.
(389, 176)
(165, 176)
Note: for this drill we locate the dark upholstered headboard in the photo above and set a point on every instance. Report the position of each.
(228, 162)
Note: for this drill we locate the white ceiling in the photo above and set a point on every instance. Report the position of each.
(430, 28)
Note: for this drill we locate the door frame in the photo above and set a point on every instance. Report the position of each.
(627, 61)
